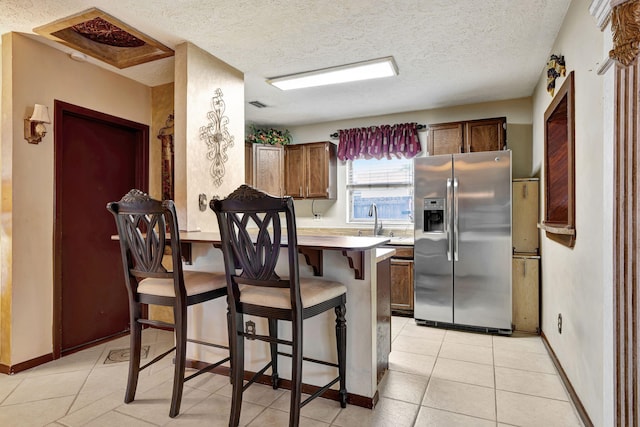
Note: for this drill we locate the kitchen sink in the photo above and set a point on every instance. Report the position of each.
(401, 240)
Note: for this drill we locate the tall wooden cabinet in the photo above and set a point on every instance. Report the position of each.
(525, 195)
(267, 166)
(526, 259)
(526, 293)
(467, 137)
(310, 170)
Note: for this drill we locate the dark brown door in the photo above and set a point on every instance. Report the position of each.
(98, 159)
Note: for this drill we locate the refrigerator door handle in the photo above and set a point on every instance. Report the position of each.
(455, 219)
(447, 221)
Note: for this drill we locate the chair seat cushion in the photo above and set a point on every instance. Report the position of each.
(312, 291)
(195, 282)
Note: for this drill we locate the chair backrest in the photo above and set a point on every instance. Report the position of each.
(250, 223)
(146, 227)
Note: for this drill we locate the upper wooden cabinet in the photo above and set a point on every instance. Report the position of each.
(310, 170)
(294, 182)
(445, 138)
(248, 163)
(267, 168)
(467, 137)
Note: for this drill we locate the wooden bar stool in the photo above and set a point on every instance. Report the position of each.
(145, 228)
(251, 234)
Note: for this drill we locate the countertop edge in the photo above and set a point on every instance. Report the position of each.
(384, 253)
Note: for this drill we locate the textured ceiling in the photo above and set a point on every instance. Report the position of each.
(449, 52)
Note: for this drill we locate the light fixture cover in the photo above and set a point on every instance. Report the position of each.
(365, 70)
(40, 114)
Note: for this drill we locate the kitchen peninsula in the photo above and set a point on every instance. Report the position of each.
(348, 259)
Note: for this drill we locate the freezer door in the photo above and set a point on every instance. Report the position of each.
(433, 273)
(482, 239)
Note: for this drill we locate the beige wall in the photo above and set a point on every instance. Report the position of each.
(519, 139)
(573, 280)
(40, 74)
(198, 75)
(5, 208)
(162, 106)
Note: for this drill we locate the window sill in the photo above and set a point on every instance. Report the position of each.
(562, 233)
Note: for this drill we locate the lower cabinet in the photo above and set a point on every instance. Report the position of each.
(526, 293)
(402, 280)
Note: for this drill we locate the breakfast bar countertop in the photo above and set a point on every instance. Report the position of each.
(349, 243)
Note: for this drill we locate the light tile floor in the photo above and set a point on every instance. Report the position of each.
(436, 378)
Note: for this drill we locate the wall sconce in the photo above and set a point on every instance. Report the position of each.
(34, 129)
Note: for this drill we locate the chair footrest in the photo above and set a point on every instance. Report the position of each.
(265, 338)
(256, 376)
(157, 358)
(319, 392)
(207, 368)
(157, 323)
(309, 359)
(208, 344)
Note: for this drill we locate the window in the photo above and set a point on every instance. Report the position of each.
(559, 166)
(387, 183)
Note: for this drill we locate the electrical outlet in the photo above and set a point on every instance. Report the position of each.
(559, 323)
(317, 217)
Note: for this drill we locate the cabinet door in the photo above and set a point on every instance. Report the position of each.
(526, 294)
(294, 171)
(445, 138)
(484, 135)
(268, 167)
(248, 163)
(402, 284)
(320, 164)
(525, 216)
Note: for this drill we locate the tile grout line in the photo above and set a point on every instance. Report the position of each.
(11, 392)
(433, 368)
(93, 367)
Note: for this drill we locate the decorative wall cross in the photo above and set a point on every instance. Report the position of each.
(217, 137)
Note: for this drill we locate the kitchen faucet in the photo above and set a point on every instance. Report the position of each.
(373, 211)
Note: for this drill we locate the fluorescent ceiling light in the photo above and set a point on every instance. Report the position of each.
(373, 69)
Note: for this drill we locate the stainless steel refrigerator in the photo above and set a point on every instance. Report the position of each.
(462, 252)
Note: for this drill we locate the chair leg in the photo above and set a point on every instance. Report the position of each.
(237, 369)
(180, 320)
(341, 340)
(230, 335)
(134, 352)
(296, 373)
(273, 333)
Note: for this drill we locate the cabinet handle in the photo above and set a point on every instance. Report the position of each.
(524, 268)
(300, 192)
(525, 191)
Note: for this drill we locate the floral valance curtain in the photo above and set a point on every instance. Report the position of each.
(376, 142)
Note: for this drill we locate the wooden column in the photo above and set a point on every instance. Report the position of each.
(625, 25)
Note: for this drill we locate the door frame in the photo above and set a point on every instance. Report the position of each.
(141, 182)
